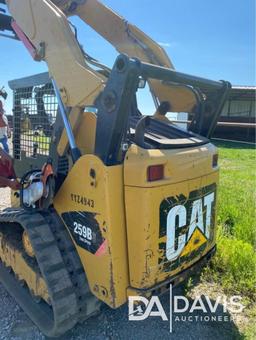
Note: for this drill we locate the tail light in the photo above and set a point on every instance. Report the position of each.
(155, 172)
(215, 160)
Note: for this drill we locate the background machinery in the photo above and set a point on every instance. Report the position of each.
(108, 203)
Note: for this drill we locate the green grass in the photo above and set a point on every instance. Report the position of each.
(236, 208)
(250, 331)
(234, 265)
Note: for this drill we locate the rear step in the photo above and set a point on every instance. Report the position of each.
(60, 266)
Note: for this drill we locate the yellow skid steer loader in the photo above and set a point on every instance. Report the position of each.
(109, 203)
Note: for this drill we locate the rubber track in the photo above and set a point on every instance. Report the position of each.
(60, 266)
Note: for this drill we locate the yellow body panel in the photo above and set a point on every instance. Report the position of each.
(93, 188)
(86, 133)
(126, 209)
(187, 172)
(84, 129)
(179, 164)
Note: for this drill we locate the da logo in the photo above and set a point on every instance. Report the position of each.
(187, 222)
(138, 314)
(182, 309)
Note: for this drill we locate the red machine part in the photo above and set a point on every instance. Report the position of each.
(27, 43)
(47, 171)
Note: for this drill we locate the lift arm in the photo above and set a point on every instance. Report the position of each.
(45, 31)
(129, 39)
(45, 25)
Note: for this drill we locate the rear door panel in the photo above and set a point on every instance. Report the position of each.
(170, 226)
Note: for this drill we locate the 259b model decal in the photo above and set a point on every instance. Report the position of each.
(84, 229)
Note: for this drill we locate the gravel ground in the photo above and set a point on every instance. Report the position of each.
(111, 324)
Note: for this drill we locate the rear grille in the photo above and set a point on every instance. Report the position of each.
(63, 165)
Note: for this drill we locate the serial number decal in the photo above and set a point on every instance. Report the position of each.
(84, 229)
(82, 200)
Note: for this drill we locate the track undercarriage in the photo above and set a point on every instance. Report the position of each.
(50, 286)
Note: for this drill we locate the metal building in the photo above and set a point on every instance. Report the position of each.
(237, 121)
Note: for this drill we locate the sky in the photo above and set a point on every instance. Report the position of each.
(208, 38)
